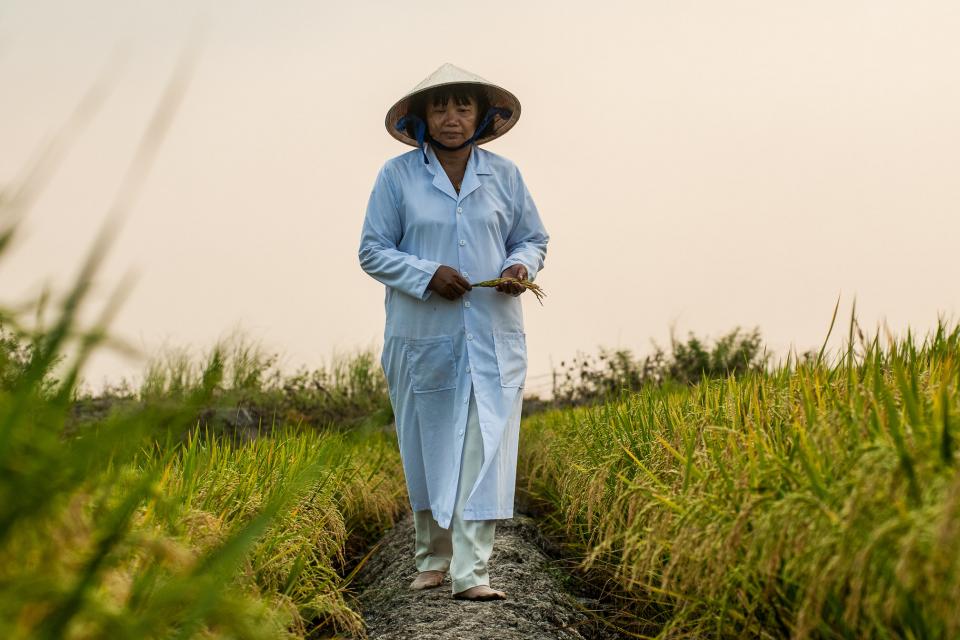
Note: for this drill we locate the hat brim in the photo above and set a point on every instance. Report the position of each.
(498, 96)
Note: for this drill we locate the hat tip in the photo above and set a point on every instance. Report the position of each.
(448, 65)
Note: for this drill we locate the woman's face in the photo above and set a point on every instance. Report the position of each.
(452, 124)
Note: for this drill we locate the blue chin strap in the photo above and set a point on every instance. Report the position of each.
(420, 130)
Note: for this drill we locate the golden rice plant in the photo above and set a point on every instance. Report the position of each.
(526, 284)
(216, 485)
(115, 528)
(813, 501)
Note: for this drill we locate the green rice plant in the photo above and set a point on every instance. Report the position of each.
(348, 391)
(68, 504)
(42, 471)
(117, 527)
(174, 372)
(814, 501)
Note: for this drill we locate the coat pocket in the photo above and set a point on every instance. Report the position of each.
(432, 367)
(511, 348)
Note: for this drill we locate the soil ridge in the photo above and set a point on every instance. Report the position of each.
(539, 605)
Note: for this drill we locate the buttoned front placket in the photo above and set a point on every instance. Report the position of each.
(463, 239)
(463, 254)
(471, 182)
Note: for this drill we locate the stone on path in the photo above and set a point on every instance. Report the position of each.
(537, 605)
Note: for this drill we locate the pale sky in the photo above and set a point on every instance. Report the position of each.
(697, 164)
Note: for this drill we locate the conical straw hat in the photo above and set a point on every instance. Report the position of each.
(450, 74)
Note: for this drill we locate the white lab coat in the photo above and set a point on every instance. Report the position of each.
(435, 349)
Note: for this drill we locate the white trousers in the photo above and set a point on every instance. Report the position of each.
(465, 547)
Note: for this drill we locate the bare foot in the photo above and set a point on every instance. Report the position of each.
(427, 580)
(480, 592)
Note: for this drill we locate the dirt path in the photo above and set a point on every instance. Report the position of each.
(538, 605)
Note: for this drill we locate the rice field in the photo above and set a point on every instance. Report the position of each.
(162, 538)
(143, 513)
(818, 500)
(141, 522)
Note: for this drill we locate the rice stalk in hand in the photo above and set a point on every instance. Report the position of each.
(526, 284)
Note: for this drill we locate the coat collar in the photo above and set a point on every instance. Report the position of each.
(477, 165)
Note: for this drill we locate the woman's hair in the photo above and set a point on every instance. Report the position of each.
(460, 93)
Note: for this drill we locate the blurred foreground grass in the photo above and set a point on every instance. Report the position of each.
(144, 524)
(142, 515)
(815, 500)
(140, 521)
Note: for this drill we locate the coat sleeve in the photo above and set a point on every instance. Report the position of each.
(527, 242)
(382, 232)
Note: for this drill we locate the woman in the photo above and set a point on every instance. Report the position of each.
(440, 217)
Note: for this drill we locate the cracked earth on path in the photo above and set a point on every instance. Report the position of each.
(538, 604)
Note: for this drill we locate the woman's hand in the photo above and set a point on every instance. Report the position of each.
(448, 282)
(517, 272)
